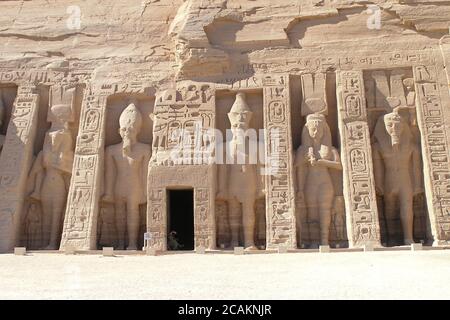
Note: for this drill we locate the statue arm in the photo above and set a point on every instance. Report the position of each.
(110, 176)
(378, 169)
(332, 164)
(416, 167)
(300, 169)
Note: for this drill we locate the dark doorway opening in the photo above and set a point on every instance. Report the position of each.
(180, 232)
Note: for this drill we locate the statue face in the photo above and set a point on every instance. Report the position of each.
(315, 129)
(128, 133)
(239, 120)
(394, 127)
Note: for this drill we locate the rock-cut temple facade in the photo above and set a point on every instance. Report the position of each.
(173, 125)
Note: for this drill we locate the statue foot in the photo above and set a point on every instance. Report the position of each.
(409, 242)
(250, 248)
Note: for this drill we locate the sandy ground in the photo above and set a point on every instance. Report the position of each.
(347, 275)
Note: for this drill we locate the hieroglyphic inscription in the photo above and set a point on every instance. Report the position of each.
(359, 187)
(203, 219)
(182, 121)
(156, 218)
(45, 76)
(279, 181)
(80, 223)
(435, 150)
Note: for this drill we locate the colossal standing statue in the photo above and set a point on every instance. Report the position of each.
(396, 160)
(313, 160)
(238, 181)
(52, 170)
(126, 176)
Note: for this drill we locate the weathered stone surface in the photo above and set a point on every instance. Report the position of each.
(245, 124)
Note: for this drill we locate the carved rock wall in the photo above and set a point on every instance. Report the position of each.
(183, 62)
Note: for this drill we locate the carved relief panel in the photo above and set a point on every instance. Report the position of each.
(359, 186)
(240, 200)
(122, 216)
(396, 156)
(317, 166)
(181, 120)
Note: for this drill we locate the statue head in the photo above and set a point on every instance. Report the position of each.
(409, 84)
(130, 123)
(316, 132)
(316, 126)
(393, 129)
(394, 125)
(240, 115)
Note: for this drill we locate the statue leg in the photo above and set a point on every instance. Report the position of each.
(133, 224)
(313, 219)
(46, 221)
(234, 216)
(390, 201)
(325, 203)
(248, 220)
(407, 216)
(121, 222)
(57, 214)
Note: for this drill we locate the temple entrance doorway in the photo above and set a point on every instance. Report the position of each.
(180, 219)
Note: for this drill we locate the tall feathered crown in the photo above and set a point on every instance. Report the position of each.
(240, 105)
(130, 117)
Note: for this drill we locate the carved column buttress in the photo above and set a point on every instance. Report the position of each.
(15, 161)
(435, 151)
(80, 223)
(280, 203)
(359, 184)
